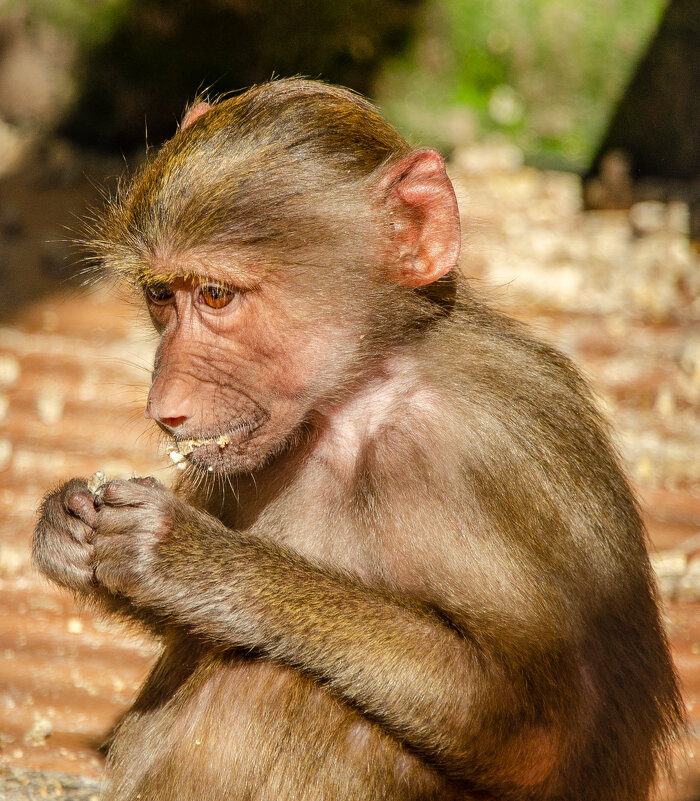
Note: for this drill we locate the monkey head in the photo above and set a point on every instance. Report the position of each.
(276, 239)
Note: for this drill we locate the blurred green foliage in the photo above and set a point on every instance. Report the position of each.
(547, 73)
(89, 21)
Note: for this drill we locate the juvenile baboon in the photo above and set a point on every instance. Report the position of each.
(402, 561)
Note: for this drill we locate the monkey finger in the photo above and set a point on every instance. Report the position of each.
(115, 522)
(82, 506)
(57, 517)
(109, 550)
(121, 492)
(134, 523)
(147, 481)
(69, 565)
(115, 564)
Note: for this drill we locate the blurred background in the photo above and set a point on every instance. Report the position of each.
(547, 73)
(571, 132)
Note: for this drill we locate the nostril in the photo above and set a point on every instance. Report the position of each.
(170, 402)
(172, 422)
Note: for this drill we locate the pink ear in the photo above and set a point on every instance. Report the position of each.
(195, 113)
(421, 202)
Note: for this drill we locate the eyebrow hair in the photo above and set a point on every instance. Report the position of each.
(142, 274)
(146, 276)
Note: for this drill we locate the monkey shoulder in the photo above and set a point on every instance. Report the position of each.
(523, 446)
(518, 401)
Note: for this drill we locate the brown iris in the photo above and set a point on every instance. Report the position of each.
(216, 296)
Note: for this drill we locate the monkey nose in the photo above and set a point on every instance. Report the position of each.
(170, 406)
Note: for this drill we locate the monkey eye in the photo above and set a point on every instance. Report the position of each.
(160, 294)
(216, 296)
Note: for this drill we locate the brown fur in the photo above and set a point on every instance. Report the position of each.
(416, 571)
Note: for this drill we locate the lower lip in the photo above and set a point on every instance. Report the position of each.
(212, 447)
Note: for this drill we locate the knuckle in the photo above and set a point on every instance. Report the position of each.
(112, 492)
(56, 503)
(75, 486)
(147, 481)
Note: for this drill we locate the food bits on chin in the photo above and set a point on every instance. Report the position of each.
(184, 447)
(177, 458)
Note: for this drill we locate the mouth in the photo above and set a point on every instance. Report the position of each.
(204, 449)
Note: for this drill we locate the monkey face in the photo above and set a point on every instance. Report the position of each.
(239, 367)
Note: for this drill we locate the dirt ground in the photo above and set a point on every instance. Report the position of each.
(616, 290)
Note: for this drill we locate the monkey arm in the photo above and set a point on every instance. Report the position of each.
(397, 661)
(120, 606)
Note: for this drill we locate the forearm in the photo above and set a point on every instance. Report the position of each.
(395, 661)
(112, 604)
(429, 685)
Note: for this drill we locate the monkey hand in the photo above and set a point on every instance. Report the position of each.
(62, 548)
(134, 519)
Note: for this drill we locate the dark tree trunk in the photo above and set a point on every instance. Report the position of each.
(657, 122)
(652, 147)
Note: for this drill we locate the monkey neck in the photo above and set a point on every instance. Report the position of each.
(344, 427)
(330, 447)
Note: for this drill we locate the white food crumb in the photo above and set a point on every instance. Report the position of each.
(176, 457)
(184, 447)
(96, 482)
